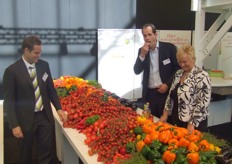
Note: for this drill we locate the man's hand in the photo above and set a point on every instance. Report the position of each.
(17, 132)
(163, 88)
(63, 116)
(144, 50)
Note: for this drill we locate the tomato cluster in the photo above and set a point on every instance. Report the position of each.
(108, 135)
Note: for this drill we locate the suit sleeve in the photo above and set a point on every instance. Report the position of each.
(175, 64)
(9, 94)
(52, 91)
(139, 65)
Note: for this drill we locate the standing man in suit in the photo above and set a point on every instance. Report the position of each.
(157, 60)
(21, 93)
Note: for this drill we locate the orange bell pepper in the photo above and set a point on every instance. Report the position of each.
(195, 136)
(147, 128)
(184, 142)
(193, 147)
(154, 135)
(204, 145)
(193, 158)
(147, 140)
(173, 143)
(139, 145)
(169, 157)
(165, 136)
(177, 133)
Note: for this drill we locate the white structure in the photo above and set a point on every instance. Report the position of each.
(205, 42)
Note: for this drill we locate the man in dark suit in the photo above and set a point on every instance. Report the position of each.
(157, 60)
(29, 123)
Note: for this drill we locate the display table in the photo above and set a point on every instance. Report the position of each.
(220, 111)
(221, 86)
(1, 154)
(1, 133)
(70, 144)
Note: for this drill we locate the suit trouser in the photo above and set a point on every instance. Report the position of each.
(42, 133)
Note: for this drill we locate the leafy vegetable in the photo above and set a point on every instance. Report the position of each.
(94, 83)
(63, 91)
(136, 157)
(105, 97)
(130, 147)
(214, 140)
(92, 119)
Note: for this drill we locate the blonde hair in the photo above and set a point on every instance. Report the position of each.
(185, 49)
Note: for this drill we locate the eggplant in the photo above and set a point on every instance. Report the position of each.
(223, 160)
(225, 156)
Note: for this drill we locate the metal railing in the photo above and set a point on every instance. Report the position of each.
(49, 36)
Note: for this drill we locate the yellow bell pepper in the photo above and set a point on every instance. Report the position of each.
(138, 137)
(141, 119)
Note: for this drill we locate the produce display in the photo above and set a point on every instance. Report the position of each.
(117, 134)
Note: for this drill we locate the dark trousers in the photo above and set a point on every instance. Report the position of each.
(42, 132)
(156, 102)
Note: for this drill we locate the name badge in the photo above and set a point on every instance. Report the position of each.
(45, 76)
(167, 61)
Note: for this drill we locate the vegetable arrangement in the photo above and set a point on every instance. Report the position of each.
(117, 134)
(174, 145)
(107, 124)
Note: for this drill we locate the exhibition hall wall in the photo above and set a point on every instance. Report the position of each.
(82, 59)
(19, 18)
(117, 52)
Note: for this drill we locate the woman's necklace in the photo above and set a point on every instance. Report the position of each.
(184, 76)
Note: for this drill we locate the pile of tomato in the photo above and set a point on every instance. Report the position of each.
(108, 135)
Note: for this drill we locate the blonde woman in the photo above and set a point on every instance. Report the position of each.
(189, 96)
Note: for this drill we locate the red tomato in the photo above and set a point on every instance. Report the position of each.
(96, 123)
(96, 128)
(93, 137)
(87, 141)
(122, 151)
(101, 125)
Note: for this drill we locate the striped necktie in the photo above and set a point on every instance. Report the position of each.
(38, 97)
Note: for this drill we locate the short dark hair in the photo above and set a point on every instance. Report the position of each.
(30, 41)
(149, 25)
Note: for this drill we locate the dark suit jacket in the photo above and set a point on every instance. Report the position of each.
(167, 51)
(19, 97)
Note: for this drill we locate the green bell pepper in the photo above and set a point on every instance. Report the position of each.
(154, 155)
(145, 151)
(180, 159)
(158, 161)
(208, 154)
(130, 147)
(156, 144)
(143, 135)
(163, 148)
(180, 150)
(138, 130)
(212, 160)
